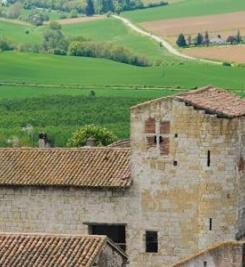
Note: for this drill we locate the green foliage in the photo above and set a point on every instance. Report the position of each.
(5, 45)
(199, 39)
(14, 11)
(89, 10)
(106, 50)
(181, 42)
(37, 17)
(100, 135)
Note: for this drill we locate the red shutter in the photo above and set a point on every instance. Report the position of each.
(150, 126)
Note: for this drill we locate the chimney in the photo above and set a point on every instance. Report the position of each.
(90, 142)
(43, 140)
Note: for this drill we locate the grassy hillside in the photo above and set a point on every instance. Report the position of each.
(48, 69)
(186, 8)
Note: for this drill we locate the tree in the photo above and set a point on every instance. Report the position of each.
(14, 11)
(199, 39)
(238, 37)
(231, 39)
(53, 25)
(101, 136)
(206, 39)
(89, 10)
(181, 42)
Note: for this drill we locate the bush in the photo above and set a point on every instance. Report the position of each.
(226, 64)
(105, 50)
(100, 135)
(6, 45)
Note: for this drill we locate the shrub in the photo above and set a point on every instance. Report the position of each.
(6, 45)
(105, 50)
(101, 136)
(226, 64)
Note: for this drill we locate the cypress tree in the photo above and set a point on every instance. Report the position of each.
(89, 10)
(181, 42)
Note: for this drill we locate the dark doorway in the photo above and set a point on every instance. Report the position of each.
(116, 232)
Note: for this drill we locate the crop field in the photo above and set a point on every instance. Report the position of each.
(214, 24)
(234, 53)
(186, 8)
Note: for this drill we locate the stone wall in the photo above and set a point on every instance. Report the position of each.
(174, 192)
(110, 257)
(191, 204)
(229, 254)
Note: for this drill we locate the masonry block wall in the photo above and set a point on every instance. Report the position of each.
(188, 176)
(224, 255)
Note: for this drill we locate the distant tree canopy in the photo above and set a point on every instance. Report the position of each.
(89, 10)
(100, 135)
(181, 42)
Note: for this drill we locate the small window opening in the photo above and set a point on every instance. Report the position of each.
(208, 158)
(210, 224)
(151, 239)
(205, 264)
(175, 163)
(117, 233)
(176, 135)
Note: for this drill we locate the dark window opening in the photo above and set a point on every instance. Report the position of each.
(151, 240)
(205, 264)
(210, 224)
(208, 159)
(175, 163)
(176, 135)
(117, 233)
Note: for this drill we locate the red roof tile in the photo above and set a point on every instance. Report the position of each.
(216, 101)
(82, 167)
(39, 250)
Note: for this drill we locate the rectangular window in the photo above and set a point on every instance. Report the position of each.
(208, 158)
(164, 145)
(210, 224)
(150, 126)
(151, 141)
(151, 240)
(117, 233)
(165, 127)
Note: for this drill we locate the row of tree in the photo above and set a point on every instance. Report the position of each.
(201, 39)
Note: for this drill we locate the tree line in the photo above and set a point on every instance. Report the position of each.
(204, 39)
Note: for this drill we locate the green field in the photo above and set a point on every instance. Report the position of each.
(53, 93)
(186, 8)
(58, 70)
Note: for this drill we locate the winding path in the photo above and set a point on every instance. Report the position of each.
(164, 43)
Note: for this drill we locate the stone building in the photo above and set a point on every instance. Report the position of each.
(45, 250)
(179, 189)
(227, 254)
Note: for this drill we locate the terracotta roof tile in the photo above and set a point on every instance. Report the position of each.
(216, 101)
(83, 167)
(121, 143)
(39, 250)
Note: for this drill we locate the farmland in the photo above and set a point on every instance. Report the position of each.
(186, 8)
(57, 94)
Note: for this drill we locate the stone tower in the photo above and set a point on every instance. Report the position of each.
(188, 156)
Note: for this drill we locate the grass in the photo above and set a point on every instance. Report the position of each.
(48, 69)
(186, 8)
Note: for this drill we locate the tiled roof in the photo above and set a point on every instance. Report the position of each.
(39, 250)
(215, 101)
(121, 143)
(82, 167)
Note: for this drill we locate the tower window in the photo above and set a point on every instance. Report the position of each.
(210, 224)
(151, 240)
(150, 126)
(205, 264)
(208, 158)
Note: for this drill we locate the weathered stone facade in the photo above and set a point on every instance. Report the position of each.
(227, 254)
(187, 168)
